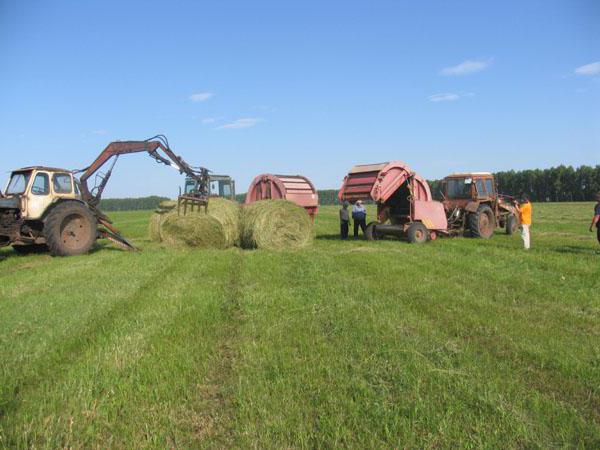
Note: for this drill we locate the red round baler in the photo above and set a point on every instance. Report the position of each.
(295, 188)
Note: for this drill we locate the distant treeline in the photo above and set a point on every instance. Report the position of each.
(556, 184)
(130, 204)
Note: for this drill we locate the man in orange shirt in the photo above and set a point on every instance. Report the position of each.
(596, 218)
(525, 210)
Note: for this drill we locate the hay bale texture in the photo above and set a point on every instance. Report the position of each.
(275, 225)
(219, 228)
(156, 219)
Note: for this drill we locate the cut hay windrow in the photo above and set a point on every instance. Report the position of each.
(275, 225)
(219, 228)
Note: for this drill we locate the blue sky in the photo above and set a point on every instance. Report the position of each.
(309, 87)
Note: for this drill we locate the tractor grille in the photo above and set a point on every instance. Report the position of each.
(10, 223)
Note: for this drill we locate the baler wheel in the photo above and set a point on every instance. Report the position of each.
(482, 222)
(417, 233)
(371, 232)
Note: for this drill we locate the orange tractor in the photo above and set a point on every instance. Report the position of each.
(474, 206)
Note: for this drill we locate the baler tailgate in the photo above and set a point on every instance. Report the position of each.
(359, 185)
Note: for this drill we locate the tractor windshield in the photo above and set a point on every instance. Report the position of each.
(18, 183)
(458, 188)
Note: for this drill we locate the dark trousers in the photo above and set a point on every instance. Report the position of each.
(598, 234)
(359, 223)
(344, 226)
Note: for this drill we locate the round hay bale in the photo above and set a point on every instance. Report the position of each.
(275, 225)
(219, 228)
(167, 205)
(158, 217)
(227, 212)
(154, 226)
(195, 230)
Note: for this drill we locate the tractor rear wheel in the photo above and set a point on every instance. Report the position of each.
(70, 229)
(417, 233)
(482, 222)
(371, 232)
(512, 225)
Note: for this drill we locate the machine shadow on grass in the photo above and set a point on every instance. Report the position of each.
(575, 249)
(336, 237)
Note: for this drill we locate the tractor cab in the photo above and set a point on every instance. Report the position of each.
(219, 186)
(32, 190)
(461, 188)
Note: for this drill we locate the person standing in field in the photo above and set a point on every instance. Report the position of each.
(359, 215)
(344, 220)
(596, 218)
(525, 212)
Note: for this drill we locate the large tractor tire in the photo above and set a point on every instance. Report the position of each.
(371, 232)
(70, 229)
(512, 225)
(417, 233)
(482, 222)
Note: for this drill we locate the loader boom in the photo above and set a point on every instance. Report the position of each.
(153, 146)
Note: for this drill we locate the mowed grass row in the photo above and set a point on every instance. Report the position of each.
(459, 342)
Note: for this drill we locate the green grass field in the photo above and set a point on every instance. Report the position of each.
(456, 343)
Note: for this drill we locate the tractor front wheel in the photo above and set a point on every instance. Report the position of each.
(482, 222)
(70, 229)
(512, 225)
(417, 233)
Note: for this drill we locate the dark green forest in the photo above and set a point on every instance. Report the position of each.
(130, 204)
(556, 184)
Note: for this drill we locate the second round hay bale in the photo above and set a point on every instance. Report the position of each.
(157, 218)
(219, 228)
(275, 225)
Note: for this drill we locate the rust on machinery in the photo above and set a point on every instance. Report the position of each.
(475, 207)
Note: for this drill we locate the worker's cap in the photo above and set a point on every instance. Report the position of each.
(358, 202)
(345, 203)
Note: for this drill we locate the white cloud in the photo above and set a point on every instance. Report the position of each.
(589, 69)
(201, 96)
(247, 122)
(100, 132)
(466, 68)
(445, 97)
(208, 120)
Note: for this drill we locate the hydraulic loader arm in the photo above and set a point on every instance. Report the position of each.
(152, 146)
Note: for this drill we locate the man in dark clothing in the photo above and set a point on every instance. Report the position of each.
(359, 215)
(596, 219)
(344, 220)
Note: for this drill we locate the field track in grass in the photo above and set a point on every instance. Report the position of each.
(455, 343)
